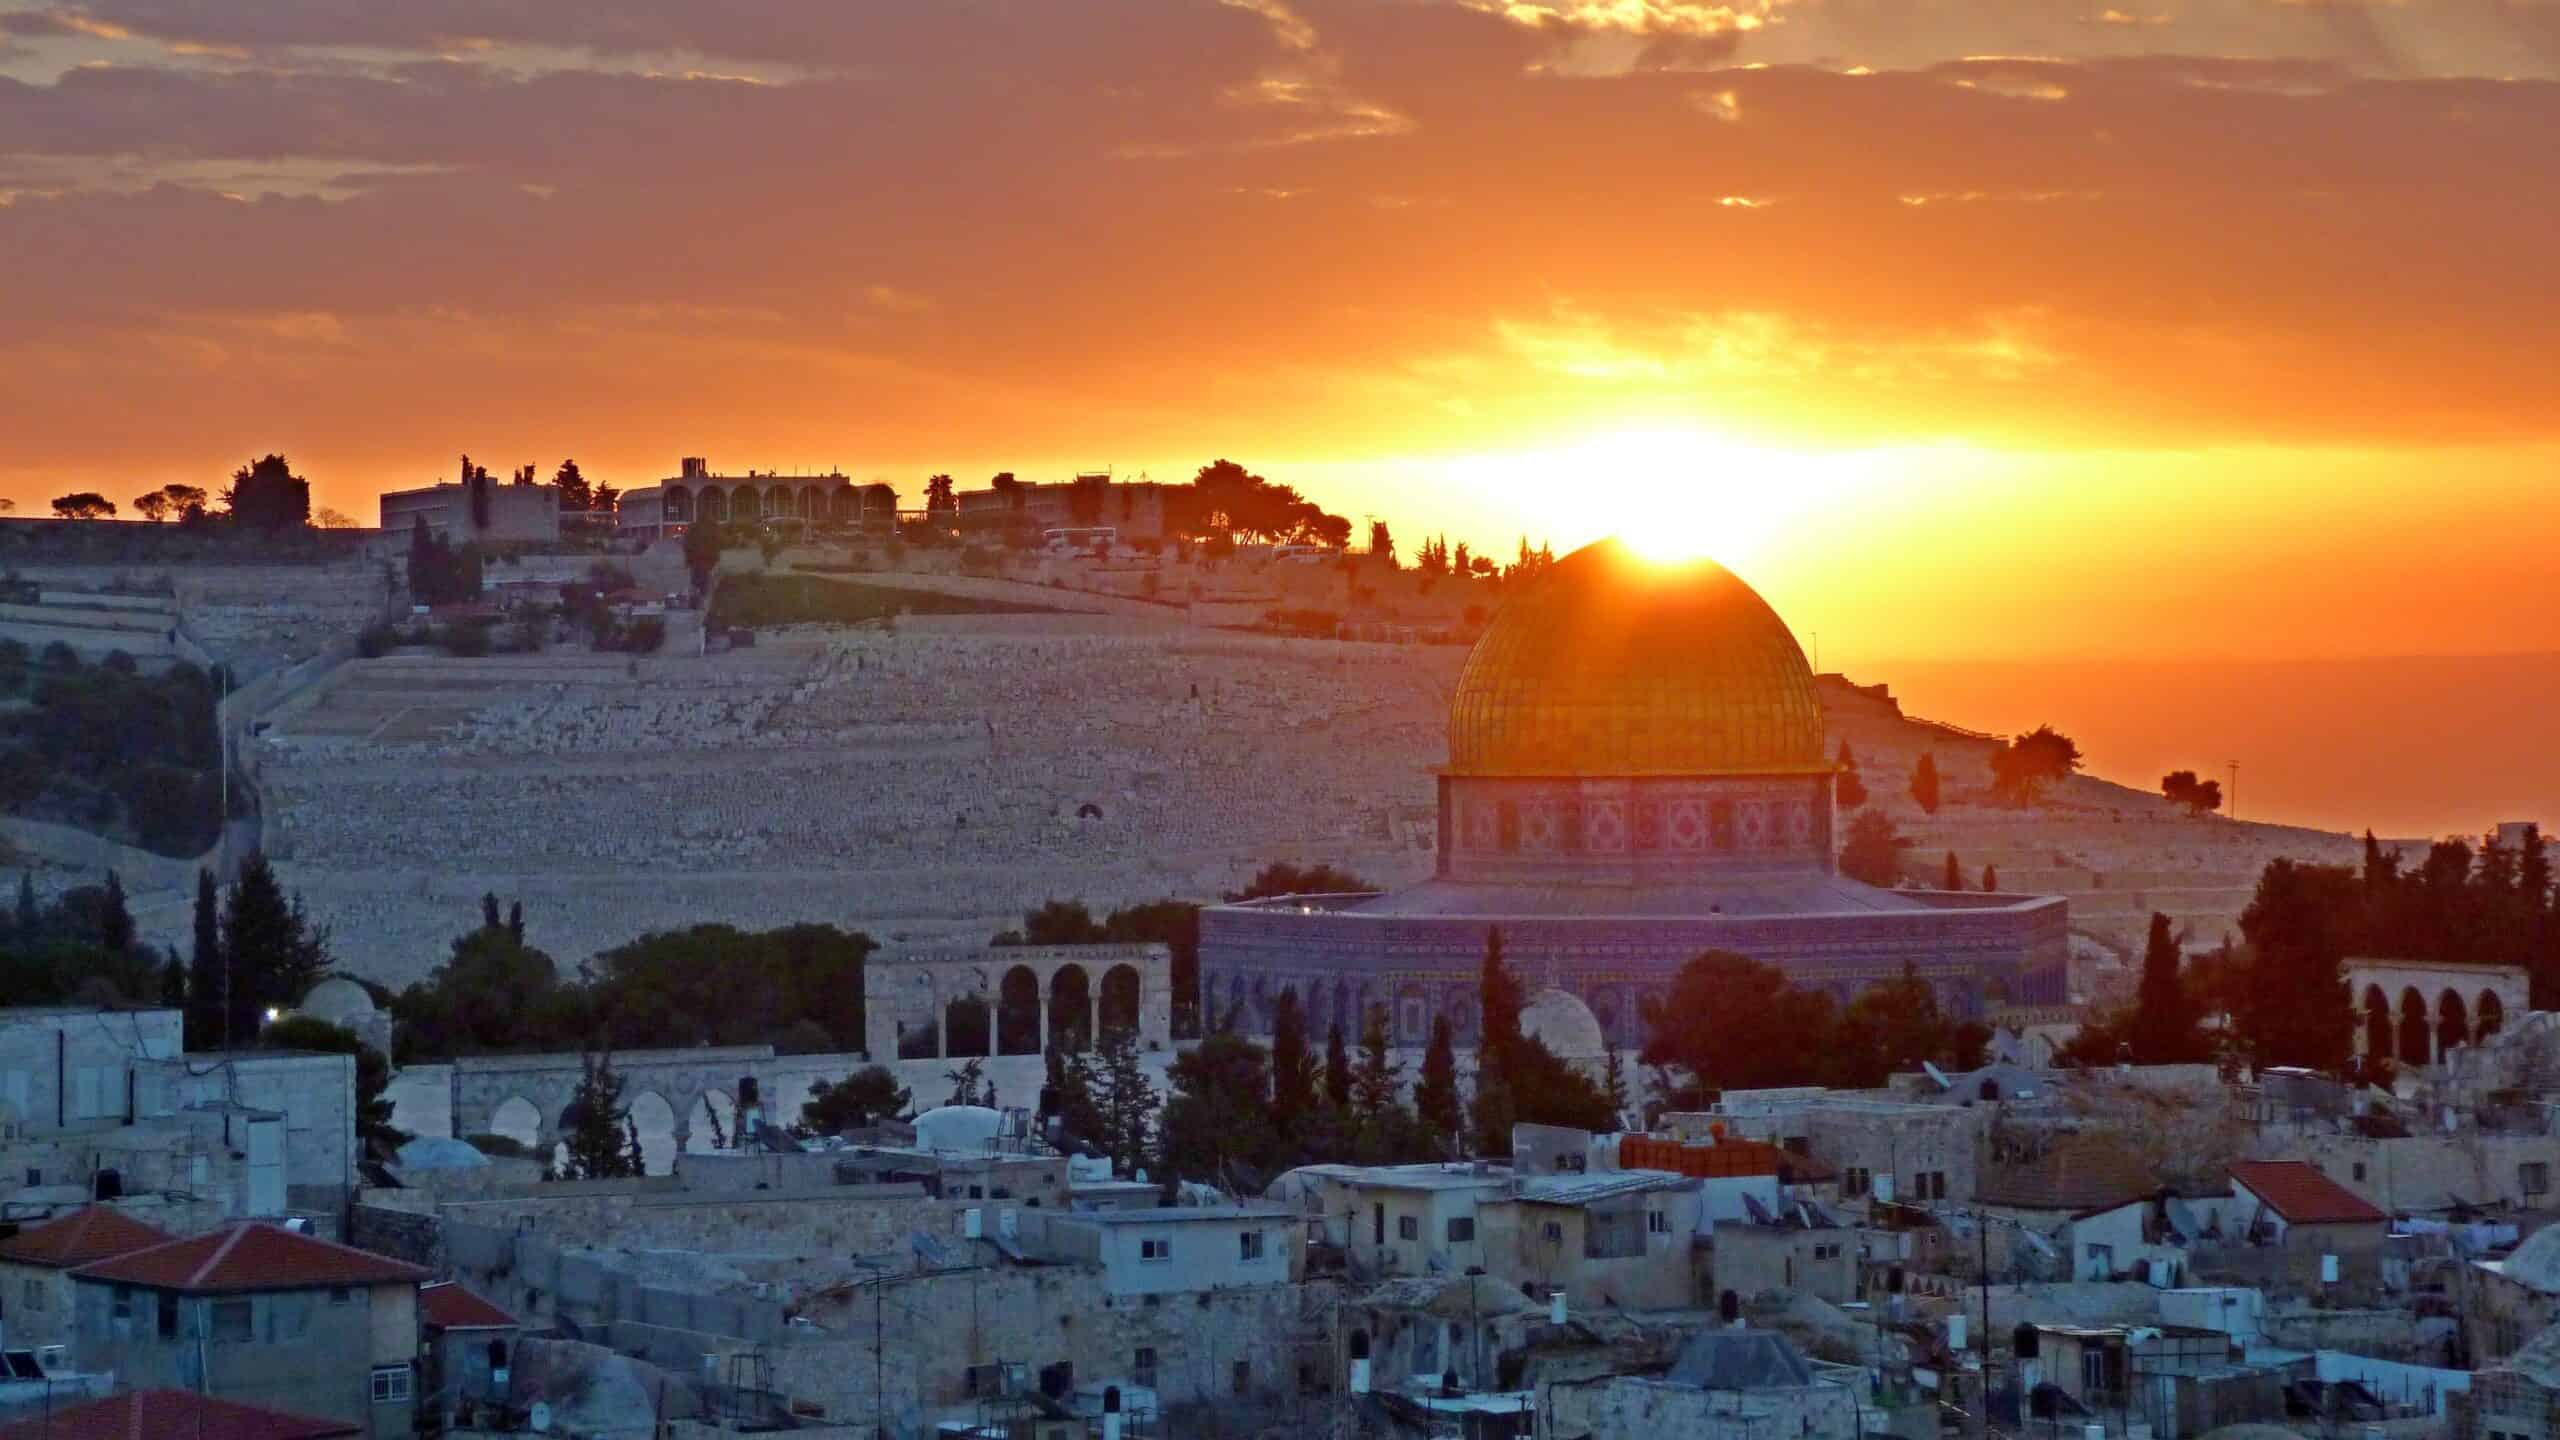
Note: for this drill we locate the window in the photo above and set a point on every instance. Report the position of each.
(1408, 1227)
(2359, 1170)
(1143, 1368)
(2534, 1177)
(342, 1295)
(1657, 1223)
(1462, 1229)
(124, 1303)
(1826, 1252)
(1552, 1232)
(2102, 1259)
(232, 1319)
(1155, 1248)
(1249, 1245)
(1855, 1181)
(1244, 1377)
(391, 1385)
(1929, 1185)
(168, 1315)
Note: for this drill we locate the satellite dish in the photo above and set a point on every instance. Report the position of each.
(539, 1418)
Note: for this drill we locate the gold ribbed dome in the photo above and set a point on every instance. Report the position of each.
(1617, 665)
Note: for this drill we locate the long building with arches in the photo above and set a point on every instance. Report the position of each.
(1638, 772)
(695, 492)
(2414, 1012)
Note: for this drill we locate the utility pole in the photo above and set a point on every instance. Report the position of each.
(2234, 796)
(1982, 1236)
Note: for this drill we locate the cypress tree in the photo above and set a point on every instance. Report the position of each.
(115, 921)
(1337, 1070)
(1990, 878)
(515, 921)
(205, 970)
(1293, 1068)
(1955, 875)
(173, 981)
(2167, 1023)
(1435, 1097)
(1924, 786)
(28, 916)
(274, 953)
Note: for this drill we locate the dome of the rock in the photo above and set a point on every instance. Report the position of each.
(1615, 665)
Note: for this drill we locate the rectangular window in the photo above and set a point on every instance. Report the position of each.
(1462, 1229)
(342, 1295)
(2359, 1170)
(1408, 1227)
(1244, 1377)
(1158, 1248)
(124, 1303)
(2534, 1177)
(232, 1319)
(1249, 1245)
(1854, 1182)
(1143, 1368)
(168, 1315)
(1657, 1223)
(391, 1385)
(1553, 1231)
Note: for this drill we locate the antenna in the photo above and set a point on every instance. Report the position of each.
(2234, 796)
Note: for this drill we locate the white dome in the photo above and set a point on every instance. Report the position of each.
(1566, 1025)
(958, 1127)
(338, 1000)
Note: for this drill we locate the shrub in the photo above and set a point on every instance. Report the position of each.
(376, 640)
(466, 638)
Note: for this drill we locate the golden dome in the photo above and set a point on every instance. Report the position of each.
(1616, 665)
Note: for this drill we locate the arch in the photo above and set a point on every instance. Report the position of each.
(1120, 1000)
(1070, 1009)
(812, 505)
(1018, 1013)
(1412, 1021)
(2453, 1021)
(2377, 1023)
(2413, 1028)
(654, 1117)
(778, 502)
(743, 504)
(715, 504)
(519, 1120)
(968, 1027)
(675, 504)
(2492, 1013)
(845, 504)
(711, 1122)
(920, 1041)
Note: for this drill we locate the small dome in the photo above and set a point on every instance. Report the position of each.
(958, 1127)
(338, 1000)
(1614, 665)
(1566, 1025)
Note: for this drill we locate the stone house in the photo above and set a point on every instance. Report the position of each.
(1626, 1238)
(468, 1344)
(1889, 1150)
(36, 1265)
(2508, 1302)
(2518, 1399)
(1725, 1385)
(261, 1315)
(1399, 1219)
(1794, 1249)
(2080, 1207)
(1173, 1250)
(2330, 1238)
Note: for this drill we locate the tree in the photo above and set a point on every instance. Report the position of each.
(205, 1004)
(941, 498)
(2301, 924)
(1990, 879)
(1872, 852)
(594, 1123)
(1337, 1069)
(2021, 769)
(152, 505)
(965, 1083)
(1217, 1123)
(1124, 1100)
(328, 519)
(373, 1071)
(1847, 787)
(1924, 783)
(1435, 1096)
(83, 505)
(1282, 878)
(1733, 1023)
(186, 500)
(173, 983)
(1382, 542)
(272, 953)
(2167, 1024)
(702, 542)
(1382, 1130)
(1954, 878)
(1613, 1083)
(267, 495)
(2199, 796)
(491, 994)
(1293, 1068)
(865, 1097)
(575, 493)
(1518, 1079)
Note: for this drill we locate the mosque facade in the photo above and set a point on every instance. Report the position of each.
(1637, 773)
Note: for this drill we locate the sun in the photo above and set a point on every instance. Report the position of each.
(1670, 492)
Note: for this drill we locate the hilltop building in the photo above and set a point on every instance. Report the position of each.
(696, 492)
(1132, 510)
(1637, 772)
(475, 508)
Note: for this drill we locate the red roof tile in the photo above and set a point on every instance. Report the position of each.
(2082, 1174)
(92, 1232)
(251, 1255)
(160, 1414)
(444, 1305)
(2298, 1191)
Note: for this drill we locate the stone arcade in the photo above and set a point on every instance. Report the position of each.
(1637, 772)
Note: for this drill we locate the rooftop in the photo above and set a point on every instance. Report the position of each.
(443, 1305)
(1413, 1177)
(92, 1232)
(2297, 1191)
(250, 1256)
(2082, 1174)
(157, 1414)
(1584, 1189)
(1179, 1214)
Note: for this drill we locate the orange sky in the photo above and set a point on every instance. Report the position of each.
(2196, 327)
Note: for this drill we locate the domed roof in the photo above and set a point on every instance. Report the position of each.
(1566, 1025)
(1616, 665)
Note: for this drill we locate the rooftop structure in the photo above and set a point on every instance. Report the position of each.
(250, 1256)
(696, 492)
(1637, 772)
(182, 1414)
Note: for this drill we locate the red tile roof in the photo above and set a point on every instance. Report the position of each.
(92, 1232)
(161, 1414)
(2297, 1191)
(2081, 1174)
(251, 1255)
(444, 1305)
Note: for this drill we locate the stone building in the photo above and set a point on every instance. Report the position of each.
(2518, 1399)
(1134, 510)
(36, 1265)
(695, 492)
(2330, 1238)
(475, 508)
(2418, 1011)
(1638, 772)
